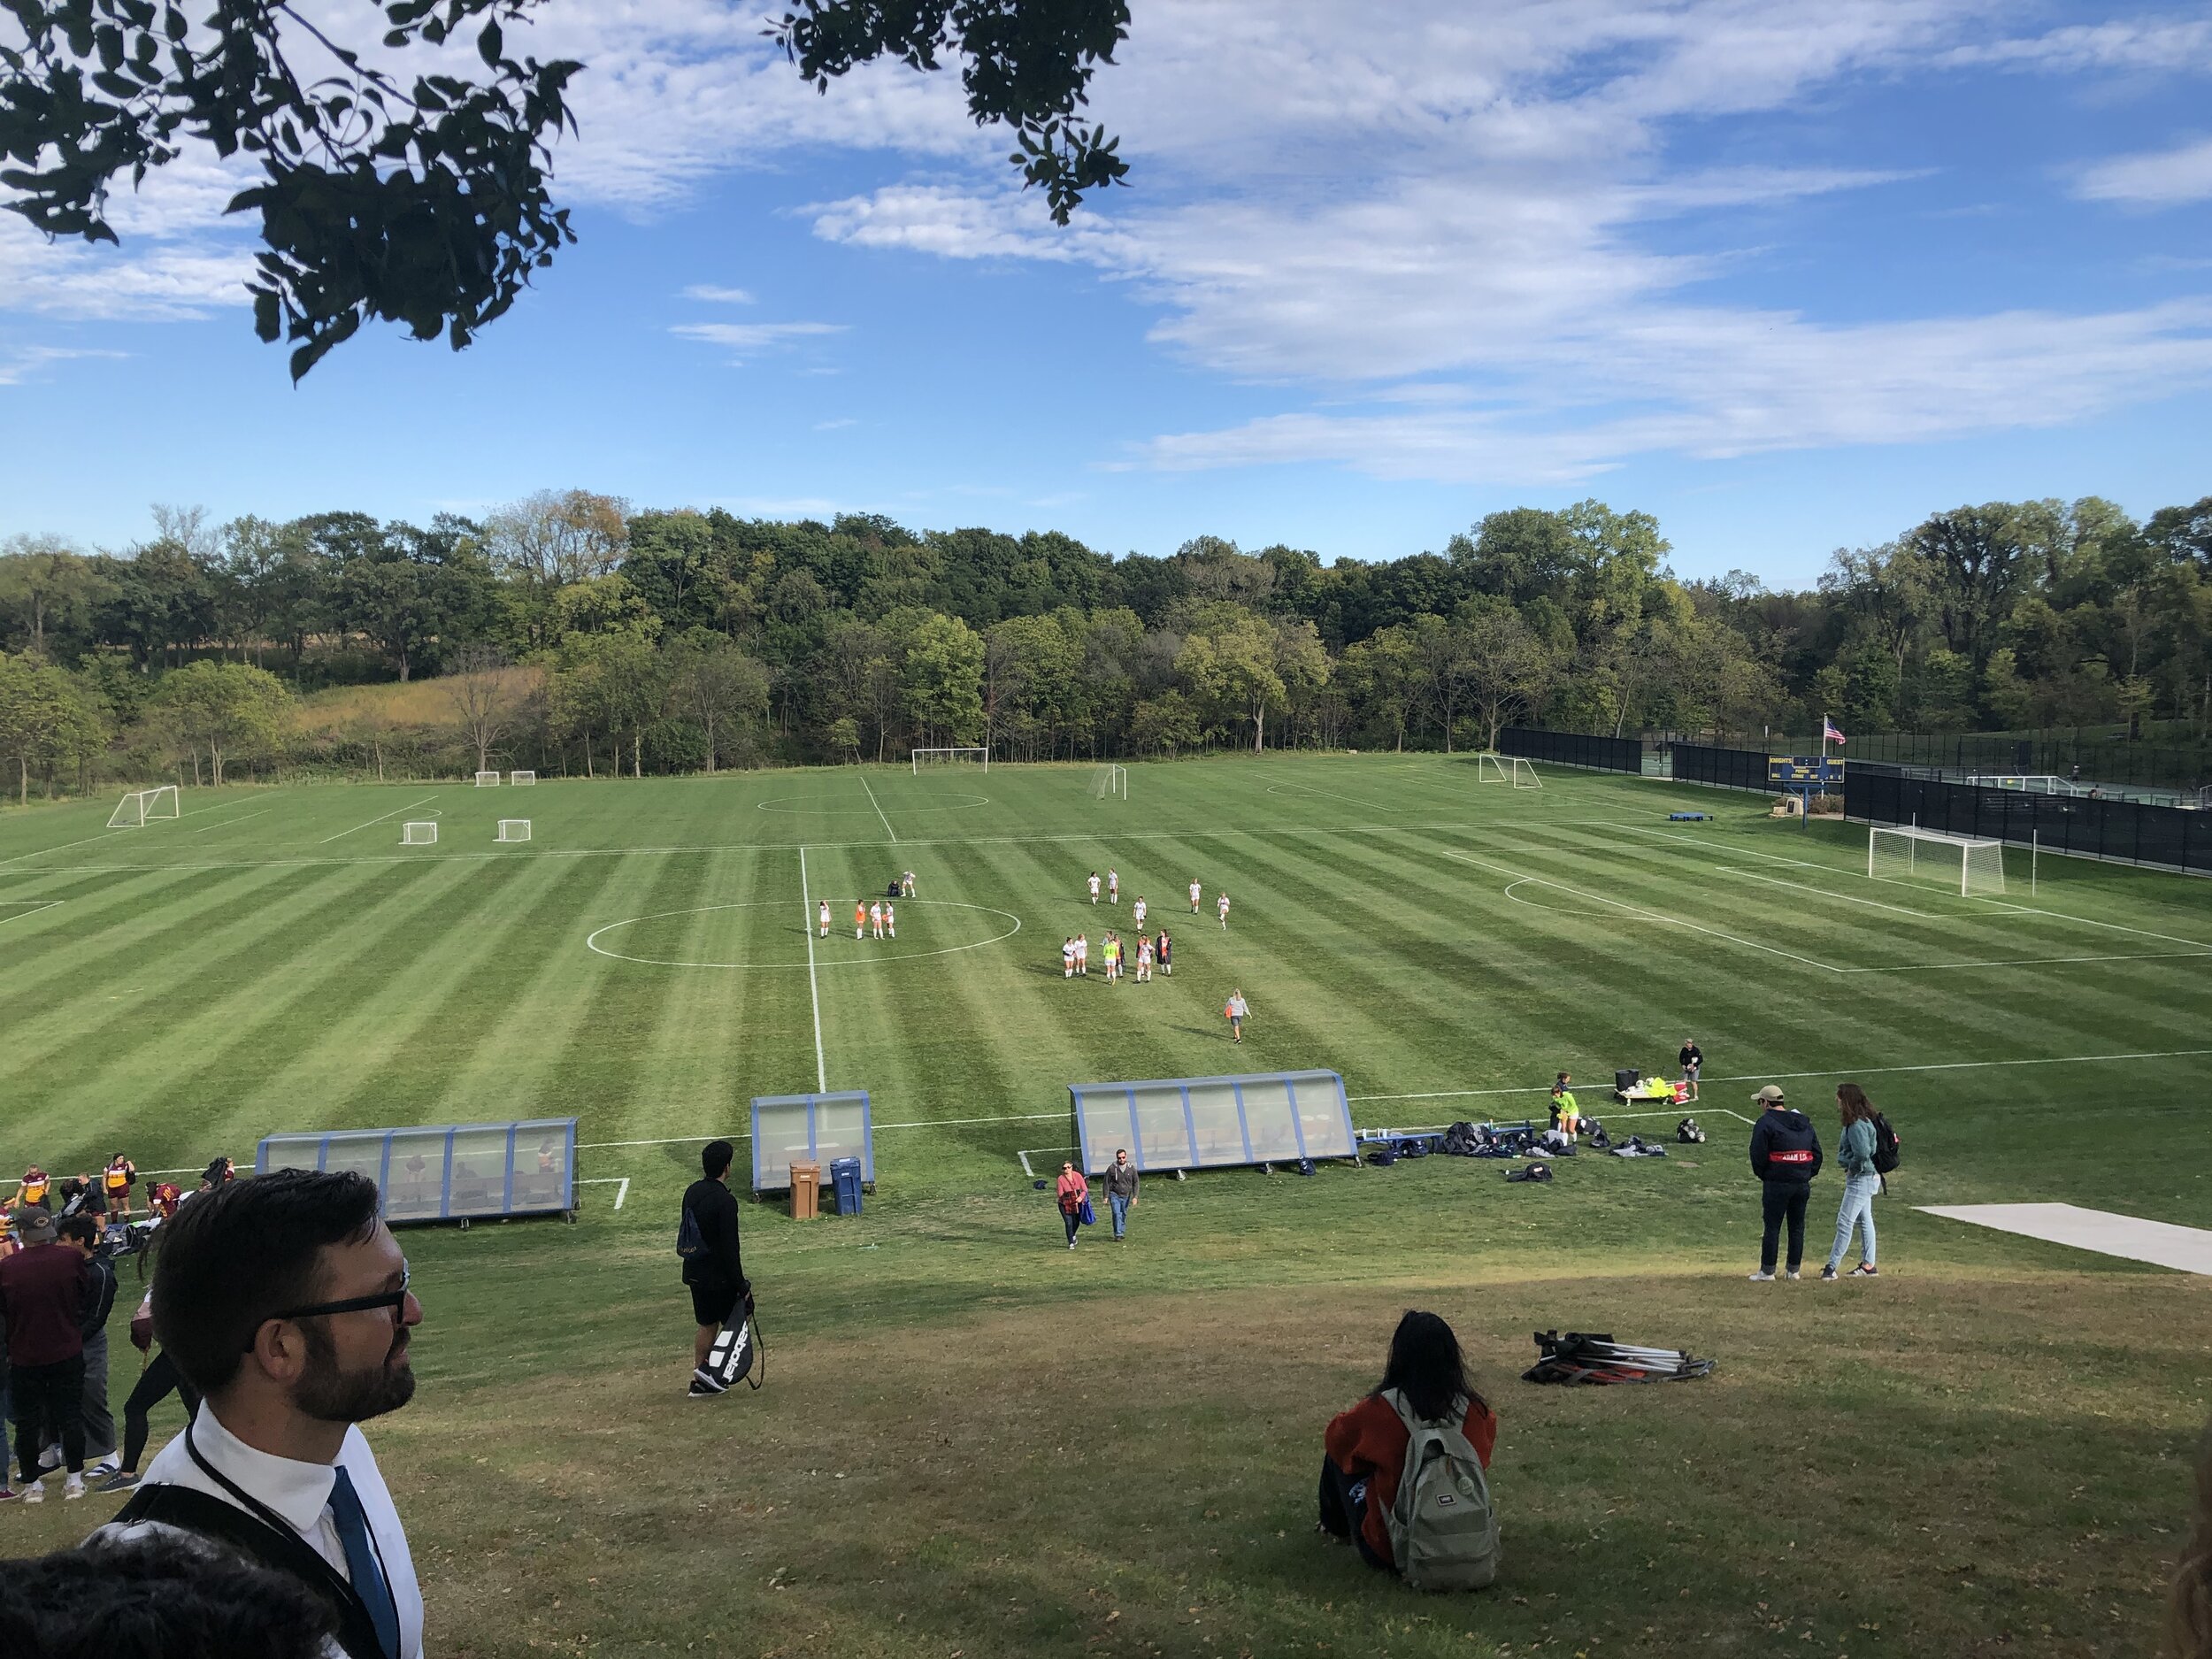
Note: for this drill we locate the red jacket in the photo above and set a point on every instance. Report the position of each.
(1072, 1190)
(1369, 1442)
(44, 1297)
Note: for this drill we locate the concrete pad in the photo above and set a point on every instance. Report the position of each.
(2188, 1249)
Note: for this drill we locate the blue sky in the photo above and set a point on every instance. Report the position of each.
(1788, 278)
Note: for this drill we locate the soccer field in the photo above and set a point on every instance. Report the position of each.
(275, 959)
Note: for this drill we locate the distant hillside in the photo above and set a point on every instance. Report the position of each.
(418, 703)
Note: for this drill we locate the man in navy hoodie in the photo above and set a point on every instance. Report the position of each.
(1785, 1156)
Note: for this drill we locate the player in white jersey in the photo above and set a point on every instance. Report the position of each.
(826, 918)
(1113, 887)
(1194, 898)
(1094, 887)
(875, 919)
(1221, 908)
(1144, 960)
(1083, 956)
(1139, 910)
(1067, 959)
(890, 919)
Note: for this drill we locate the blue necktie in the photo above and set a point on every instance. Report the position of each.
(361, 1564)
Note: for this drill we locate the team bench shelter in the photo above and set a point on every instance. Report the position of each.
(459, 1173)
(1207, 1123)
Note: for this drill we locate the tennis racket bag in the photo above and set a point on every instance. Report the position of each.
(736, 1348)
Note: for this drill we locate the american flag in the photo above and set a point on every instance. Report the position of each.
(1828, 732)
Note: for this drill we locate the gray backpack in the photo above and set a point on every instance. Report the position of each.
(1443, 1531)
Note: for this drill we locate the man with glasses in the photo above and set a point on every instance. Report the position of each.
(284, 1300)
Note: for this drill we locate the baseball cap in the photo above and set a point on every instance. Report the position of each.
(1769, 1095)
(35, 1224)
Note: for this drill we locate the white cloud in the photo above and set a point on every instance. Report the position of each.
(2155, 44)
(835, 425)
(718, 296)
(2160, 179)
(750, 338)
(20, 363)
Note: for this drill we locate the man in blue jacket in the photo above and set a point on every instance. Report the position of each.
(1785, 1156)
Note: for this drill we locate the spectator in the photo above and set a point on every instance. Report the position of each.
(1693, 1059)
(156, 1382)
(1072, 1192)
(1566, 1114)
(2189, 1606)
(45, 1290)
(1785, 1156)
(285, 1301)
(1121, 1191)
(1366, 1446)
(1860, 1181)
(715, 1271)
(160, 1596)
(82, 1233)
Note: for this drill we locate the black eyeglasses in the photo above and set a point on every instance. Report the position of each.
(396, 1300)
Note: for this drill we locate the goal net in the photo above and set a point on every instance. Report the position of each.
(140, 804)
(514, 829)
(486, 780)
(1506, 769)
(952, 758)
(1963, 862)
(419, 834)
(1110, 781)
(2030, 783)
(522, 777)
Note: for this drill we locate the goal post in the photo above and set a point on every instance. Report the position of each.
(419, 834)
(514, 829)
(951, 757)
(137, 808)
(486, 780)
(1495, 768)
(520, 778)
(1109, 782)
(1970, 865)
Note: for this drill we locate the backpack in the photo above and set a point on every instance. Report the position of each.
(1443, 1531)
(690, 1244)
(1887, 1148)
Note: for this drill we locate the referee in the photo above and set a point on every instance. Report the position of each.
(708, 1243)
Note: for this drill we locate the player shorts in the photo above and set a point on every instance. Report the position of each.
(713, 1302)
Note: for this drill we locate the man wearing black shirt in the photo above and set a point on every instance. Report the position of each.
(1692, 1058)
(711, 1266)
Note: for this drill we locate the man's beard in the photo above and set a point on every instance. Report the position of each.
(332, 1395)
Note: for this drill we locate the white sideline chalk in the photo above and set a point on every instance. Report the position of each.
(2186, 1250)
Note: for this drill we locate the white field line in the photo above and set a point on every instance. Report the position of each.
(57, 846)
(1652, 915)
(395, 812)
(1307, 789)
(1828, 893)
(228, 822)
(2029, 909)
(2030, 961)
(621, 1184)
(813, 988)
(873, 801)
(220, 806)
(1692, 840)
(36, 908)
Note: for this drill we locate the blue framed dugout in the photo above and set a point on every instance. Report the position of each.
(790, 1129)
(1206, 1123)
(448, 1173)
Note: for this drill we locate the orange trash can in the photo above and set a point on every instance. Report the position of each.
(806, 1191)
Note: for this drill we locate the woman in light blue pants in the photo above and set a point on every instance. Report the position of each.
(1856, 1153)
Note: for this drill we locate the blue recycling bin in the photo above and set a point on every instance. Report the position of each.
(845, 1183)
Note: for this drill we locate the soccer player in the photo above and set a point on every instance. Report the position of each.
(1113, 887)
(826, 918)
(1144, 959)
(1083, 956)
(1167, 963)
(1094, 887)
(34, 1187)
(890, 919)
(1566, 1114)
(1193, 897)
(1067, 957)
(1237, 1010)
(1221, 909)
(118, 1178)
(906, 885)
(875, 917)
(1138, 912)
(1113, 957)
(860, 918)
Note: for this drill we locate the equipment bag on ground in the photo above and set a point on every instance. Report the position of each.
(1443, 1531)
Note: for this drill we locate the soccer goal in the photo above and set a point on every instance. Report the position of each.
(419, 834)
(519, 778)
(486, 780)
(952, 758)
(1111, 782)
(2032, 783)
(1902, 853)
(514, 829)
(141, 804)
(1511, 769)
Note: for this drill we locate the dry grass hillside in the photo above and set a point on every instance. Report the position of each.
(418, 703)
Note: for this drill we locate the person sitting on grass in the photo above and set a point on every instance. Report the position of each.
(1366, 1446)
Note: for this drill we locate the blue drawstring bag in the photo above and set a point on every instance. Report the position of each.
(1087, 1215)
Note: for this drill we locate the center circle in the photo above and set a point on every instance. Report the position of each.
(837, 914)
(958, 803)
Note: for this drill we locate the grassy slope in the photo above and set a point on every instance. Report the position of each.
(262, 964)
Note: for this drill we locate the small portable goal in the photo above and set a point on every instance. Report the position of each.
(487, 780)
(419, 834)
(518, 779)
(514, 829)
(952, 758)
(140, 804)
(1495, 768)
(1969, 864)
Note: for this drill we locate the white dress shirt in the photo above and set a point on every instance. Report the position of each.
(300, 1493)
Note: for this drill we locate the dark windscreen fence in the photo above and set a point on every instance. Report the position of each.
(1573, 748)
(2123, 831)
(1728, 768)
(2090, 754)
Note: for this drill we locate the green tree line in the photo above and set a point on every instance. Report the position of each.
(667, 640)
